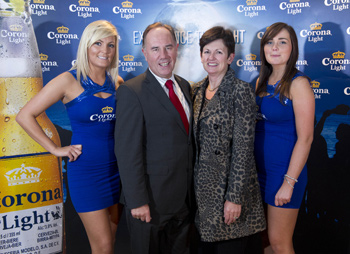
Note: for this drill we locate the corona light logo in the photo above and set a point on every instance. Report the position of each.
(315, 84)
(250, 57)
(62, 30)
(128, 58)
(43, 57)
(39, 1)
(84, 2)
(252, 2)
(127, 4)
(338, 55)
(23, 175)
(16, 28)
(107, 109)
(316, 26)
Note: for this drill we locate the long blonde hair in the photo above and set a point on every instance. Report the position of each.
(93, 32)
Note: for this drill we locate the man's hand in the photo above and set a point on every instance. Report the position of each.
(142, 213)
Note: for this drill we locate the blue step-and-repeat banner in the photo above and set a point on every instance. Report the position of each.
(323, 29)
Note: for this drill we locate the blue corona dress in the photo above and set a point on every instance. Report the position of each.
(93, 179)
(275, 137)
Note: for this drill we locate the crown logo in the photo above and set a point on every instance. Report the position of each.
(43, 57)
(128, 58)
(84, 2)
(62, 30)
(39, 1)
(316, 26)
(23, 175)
(107, 110)
(293, 1)
(250, 57)
(315, 84)
(338, 54)
(16, 28)
(252, 2)
(127, 4)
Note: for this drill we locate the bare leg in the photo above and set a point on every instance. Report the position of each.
(115, 213)
(101, 227)
(281, 224)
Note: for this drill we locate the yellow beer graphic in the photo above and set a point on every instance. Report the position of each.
(31, 198)
(19, 151)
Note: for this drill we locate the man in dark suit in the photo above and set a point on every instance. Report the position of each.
(154, 148)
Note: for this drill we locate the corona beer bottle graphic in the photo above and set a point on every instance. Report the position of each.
(31, 200)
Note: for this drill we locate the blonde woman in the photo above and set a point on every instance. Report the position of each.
(88, 92)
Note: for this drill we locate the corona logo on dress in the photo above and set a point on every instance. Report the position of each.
(249, 64)
(315, 34)
(126, 10)
(84, 10)
(62, 36)
(39, 8)
(294, 7)
(337, 63)
(128, 64)
(337, 5)
(107, 109)
(23, 175)
(106, 115)
(318, 92)
(252, 9)
(45, 64)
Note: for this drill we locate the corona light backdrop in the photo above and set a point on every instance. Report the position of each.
(323, 29)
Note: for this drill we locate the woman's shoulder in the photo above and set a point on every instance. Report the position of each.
(196, 86)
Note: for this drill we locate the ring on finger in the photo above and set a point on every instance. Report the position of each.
(236, 218)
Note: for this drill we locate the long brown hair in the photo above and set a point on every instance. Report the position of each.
(266, 69)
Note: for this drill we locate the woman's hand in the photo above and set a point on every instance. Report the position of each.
(72, 152)
(284, 194)
(232, 212)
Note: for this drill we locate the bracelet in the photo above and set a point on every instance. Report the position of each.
(289, 182)
(295, 180)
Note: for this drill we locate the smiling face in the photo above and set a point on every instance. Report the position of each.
(215, 58)
(101, 53)
(160, 51)
(278, 50)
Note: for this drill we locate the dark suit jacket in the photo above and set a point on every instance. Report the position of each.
(153, 150)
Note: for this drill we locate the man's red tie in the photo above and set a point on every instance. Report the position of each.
(175, 100)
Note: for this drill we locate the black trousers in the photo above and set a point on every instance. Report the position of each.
(168, 234)
(245, 245)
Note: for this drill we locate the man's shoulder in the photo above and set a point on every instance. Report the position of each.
(135, 81)
(181, 79)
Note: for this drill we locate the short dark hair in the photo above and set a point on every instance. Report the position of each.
(215, 33)
(156, 25)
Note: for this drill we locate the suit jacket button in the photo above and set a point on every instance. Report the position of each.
(216, 126)
(217, 152)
